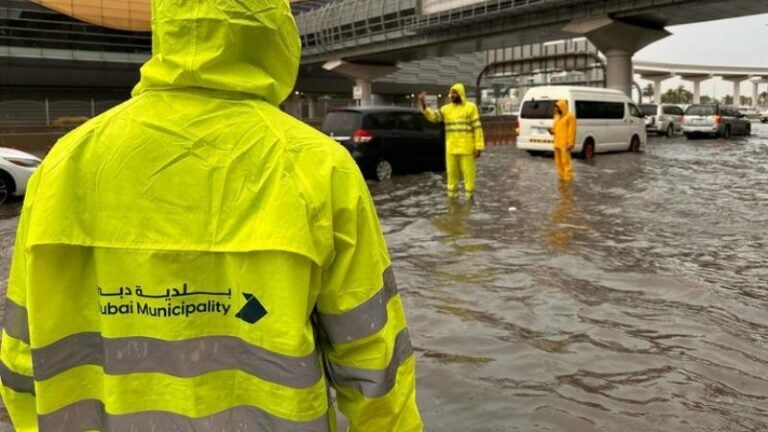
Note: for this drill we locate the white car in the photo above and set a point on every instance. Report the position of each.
(15, 169)
(764, 116)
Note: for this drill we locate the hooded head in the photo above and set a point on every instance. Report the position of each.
(458, 89)
(240, 46)
(563, 106)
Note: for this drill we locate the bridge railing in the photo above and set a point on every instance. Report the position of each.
(352, 23)
(355, 22)
(476, 12)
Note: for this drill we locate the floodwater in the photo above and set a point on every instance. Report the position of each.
(634, 300)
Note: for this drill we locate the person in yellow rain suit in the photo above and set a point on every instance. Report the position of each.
(197, 260)
(464, 140)
(564, 131)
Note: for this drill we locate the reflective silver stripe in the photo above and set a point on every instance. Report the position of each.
(364, 320)
(186, 358)
(16, 381)
(91, 415)
(16, 324)
(374, 383)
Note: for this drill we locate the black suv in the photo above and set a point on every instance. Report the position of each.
(383, 140)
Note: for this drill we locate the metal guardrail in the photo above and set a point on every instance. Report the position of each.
(30, 113)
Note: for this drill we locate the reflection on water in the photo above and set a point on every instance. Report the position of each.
(633, 299)
(454, 221)
(561, 228)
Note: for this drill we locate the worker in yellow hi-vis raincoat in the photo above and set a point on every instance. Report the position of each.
(196, 260)
(464, 140)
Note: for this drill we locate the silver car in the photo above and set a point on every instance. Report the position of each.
(715, 120)
(662, 119)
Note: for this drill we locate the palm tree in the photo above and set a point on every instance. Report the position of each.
(677, 96)
(649, 91)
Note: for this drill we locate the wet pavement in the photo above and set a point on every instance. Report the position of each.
(633, 300)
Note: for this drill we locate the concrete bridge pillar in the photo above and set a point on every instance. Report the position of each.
(657, 81)
(696, 80)
(756, 89)
(363, 74)
(365, 94)
(755, 93)
(619, 41)
(657, 90)
(292, 105)
(314, 107)
(736, 80)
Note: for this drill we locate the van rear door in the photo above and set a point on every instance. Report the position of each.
(535, 121)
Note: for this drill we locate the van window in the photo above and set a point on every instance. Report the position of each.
(650, 110)
(701, 110)
(599, 110)
(537, 109)
(634, 111)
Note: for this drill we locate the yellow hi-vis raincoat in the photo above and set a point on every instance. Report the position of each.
(463, 137)
(196, 260)
(564, 130)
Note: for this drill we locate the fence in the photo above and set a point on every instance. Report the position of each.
(30, 113)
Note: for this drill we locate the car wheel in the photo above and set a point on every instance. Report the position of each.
(727, 132)
(748, 131)
(5, 188)
(670, 131)
(383, 170)
(588, 150)
(634, 145)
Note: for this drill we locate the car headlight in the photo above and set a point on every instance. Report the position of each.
(27, 163)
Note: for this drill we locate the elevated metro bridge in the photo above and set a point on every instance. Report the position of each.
(381, 33)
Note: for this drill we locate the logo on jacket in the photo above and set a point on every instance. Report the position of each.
(179, 301)
(252, 310)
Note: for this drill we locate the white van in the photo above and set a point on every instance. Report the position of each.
(606, 120)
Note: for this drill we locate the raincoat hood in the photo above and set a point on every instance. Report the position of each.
(563, 105)
(250, 47)
(460, 90)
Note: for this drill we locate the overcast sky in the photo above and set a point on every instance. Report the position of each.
(731, 42)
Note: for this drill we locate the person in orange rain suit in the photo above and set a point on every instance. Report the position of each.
(564, 131)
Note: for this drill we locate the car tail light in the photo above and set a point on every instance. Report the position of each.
(682, 120)
(362, 136)
(517, 127)
(717, 119)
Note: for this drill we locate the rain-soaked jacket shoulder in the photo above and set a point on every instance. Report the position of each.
(463, 131)
(197, 260)
(564, 127)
